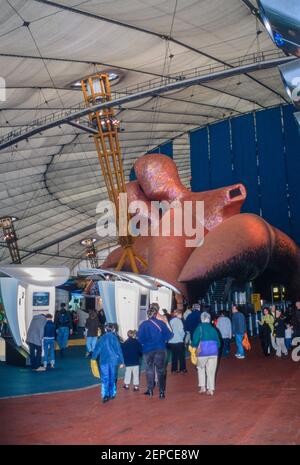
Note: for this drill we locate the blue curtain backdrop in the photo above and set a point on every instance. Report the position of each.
(220, 155)
(244, 160)
(272, 170)
(166, 149)
(200, 162)
(292, 147)
(261, 150)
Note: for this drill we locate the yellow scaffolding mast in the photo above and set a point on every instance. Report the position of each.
(96, 89)
(10, 237)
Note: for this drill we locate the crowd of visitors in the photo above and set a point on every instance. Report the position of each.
(278, 329)
(161, 335)
(43, 332)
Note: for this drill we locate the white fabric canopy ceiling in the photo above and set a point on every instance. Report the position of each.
(52, 182)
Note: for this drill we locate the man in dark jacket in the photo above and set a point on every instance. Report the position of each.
(64, 327)
(193, 320)
(92, 326)
(49, 342)
(34, 339)
(153, 335)
(102, 319)
(238, 330)
(279, 333)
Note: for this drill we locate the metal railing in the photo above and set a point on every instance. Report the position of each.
(148, 85)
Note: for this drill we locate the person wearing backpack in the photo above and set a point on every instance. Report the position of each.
(206, 340)
(63, 323)
(153, 335)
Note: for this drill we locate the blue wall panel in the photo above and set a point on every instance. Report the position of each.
(220, 155)
(165, 149)
(279, 163)
(244, 160)
(200, 168)
(132, 176)
(272, 170)
(292, 143)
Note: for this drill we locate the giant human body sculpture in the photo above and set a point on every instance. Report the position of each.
(238, 245)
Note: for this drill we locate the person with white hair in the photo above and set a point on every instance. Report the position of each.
(207, 342)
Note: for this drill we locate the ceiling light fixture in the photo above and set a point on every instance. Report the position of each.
(90, 251)
(112, 77)
(10, 237)
(282, 21)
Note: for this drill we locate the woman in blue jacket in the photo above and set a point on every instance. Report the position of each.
(108, 350)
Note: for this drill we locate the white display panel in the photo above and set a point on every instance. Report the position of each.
(144, 305)
(107, 292)
(163, 296)
(127, 299)
(28, 292)
(21, 315)
(9, 290)
(31, 310)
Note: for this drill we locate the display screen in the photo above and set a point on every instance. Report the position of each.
(90, 303)
(40, 299)
(143, 302)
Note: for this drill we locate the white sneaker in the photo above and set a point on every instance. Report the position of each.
(202, 390)
(40, 369)
(240, 356)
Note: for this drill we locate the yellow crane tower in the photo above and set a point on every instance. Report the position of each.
(96, 89)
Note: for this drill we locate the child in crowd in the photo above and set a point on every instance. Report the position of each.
(108, 349)
(132, 352)
(49, 341)
(288, 336)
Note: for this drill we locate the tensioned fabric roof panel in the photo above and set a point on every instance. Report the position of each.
(52, 182)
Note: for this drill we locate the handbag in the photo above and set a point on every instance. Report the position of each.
(246, 343)
(95, 369)
(194, 358)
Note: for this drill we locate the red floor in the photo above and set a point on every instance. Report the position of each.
(257, 402)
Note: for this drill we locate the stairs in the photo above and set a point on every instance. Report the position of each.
(217, 294)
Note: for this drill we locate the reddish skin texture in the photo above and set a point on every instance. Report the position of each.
(234, 243)
(249, 231)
